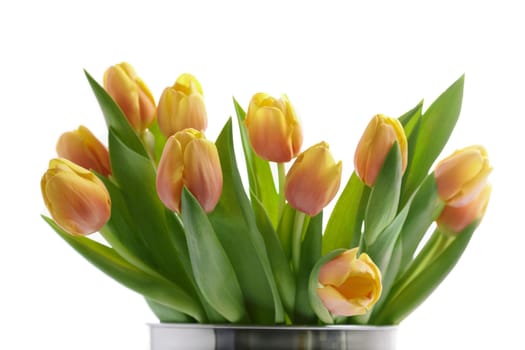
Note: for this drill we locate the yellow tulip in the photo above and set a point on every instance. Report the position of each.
(131, 94)
(188, 159)
(273, 128)
(83, 148)
(75, 197)
(461, 176)
(313, 180)
(453, 220)
(374, 145)
(350, 285)
(181, 106)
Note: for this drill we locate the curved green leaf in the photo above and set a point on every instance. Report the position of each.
(343, 229)
(212, 269)
(154, 287)
(384, 196)
(435, 128)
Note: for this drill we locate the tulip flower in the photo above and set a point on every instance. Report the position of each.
(350, 285)
(83, 148)
(181, 106)
(131, 94)
(461, 176)
(374, 145)
(188, 159)
(453, 220)
(313, 180)
(75, 197)
(273, 128)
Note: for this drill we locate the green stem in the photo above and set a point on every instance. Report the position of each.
(297, 235)
(281, 173)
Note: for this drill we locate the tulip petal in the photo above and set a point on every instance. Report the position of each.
(336, 271)
(337, 304)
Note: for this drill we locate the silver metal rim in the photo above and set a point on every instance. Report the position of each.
(270, 327)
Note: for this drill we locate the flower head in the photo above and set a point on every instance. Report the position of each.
(313, 179)
(350, 285)
(181, 106)
(131, 94)
(461, 176)
(374, 145)
(190, 160)
(273, 128)
(83, 148)
(75, 197)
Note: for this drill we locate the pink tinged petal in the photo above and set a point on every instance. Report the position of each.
(336, 271)
(202, 173)
(169, 180)
(337, 304)
(269, 135)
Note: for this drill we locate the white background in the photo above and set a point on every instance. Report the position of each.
(339, 62)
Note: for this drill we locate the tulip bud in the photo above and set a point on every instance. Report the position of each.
(182, 106)
(83, 148)
(461, 176)
(376, 142)
(131, 94)
(75, 197)
(453, 220)
(313, 180)
(188, 159)
(273, 128)
(351, 285)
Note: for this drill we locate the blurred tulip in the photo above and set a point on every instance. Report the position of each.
(188, 159)
(313, 179)
(132, 95)
(83, 148)
(75, 197)
(181, 106)
(461, 176)
(376, 142)
(453, 220)
(351, 285)
(273, 128)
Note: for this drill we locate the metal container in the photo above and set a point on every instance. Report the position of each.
(177, 336)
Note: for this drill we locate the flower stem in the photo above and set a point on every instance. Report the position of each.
(297, 235)
(281, 173)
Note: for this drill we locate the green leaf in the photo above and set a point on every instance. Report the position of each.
(212, 269)
(424, 209)
(167, 314)
(284, 277)
(285, 229)
(410, 118)
(409, 298)
(313, 283)
(115, 118)
(160, 139)
(384, 196)
(343, 229)
(259, 172)
(435, 128)
(154, 287)
(310, 254)
(234, 222)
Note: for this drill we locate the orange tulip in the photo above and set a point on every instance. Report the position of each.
(83, 148)
(374, 145)
(75, 197)
(132, 95)
(351, 285)
(273, 128)
(188, 159)
(461, 176)
(453, 220)
(182, 106)
(313, 180)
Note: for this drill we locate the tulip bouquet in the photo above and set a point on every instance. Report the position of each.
(178, 223)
